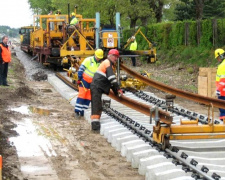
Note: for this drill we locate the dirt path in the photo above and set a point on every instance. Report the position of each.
(38, 127)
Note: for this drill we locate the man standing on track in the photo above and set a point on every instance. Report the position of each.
(103, 80)
(85, 75)
(5, 59)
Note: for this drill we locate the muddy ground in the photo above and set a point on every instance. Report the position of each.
(73, 151)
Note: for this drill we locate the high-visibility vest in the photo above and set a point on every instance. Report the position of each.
(133, 46)
(74, 21)
(220, 78)
(91, 67)
(6, 54)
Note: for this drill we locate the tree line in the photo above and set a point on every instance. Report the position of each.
(136, 12)
(11, 32)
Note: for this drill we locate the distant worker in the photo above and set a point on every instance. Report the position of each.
(5, 59)
(220, 78)
(133, 47)
(58, 12)
(74, 21)
(85, 75)
(103, 80)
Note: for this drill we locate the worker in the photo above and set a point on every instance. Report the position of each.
(85, 75)
(220, 78)
(103, 80)
(74, 21)
(133, 47)
(58, 12)
(5, 58)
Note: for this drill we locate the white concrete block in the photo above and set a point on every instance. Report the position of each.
(125, 145)
(131, 150)
(120, 139)
(106, 126)
(166, 174)
(112, 129)
(144, 162)
(125, 140)
(114, 132)
(142, 154)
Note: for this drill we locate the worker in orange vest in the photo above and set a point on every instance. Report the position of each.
(103, 80)
(5, 58)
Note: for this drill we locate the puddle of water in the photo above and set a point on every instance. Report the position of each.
(29, 143)
(32, 109)
(32, 149)
(44, 112)
(22, 110)
(46, 90)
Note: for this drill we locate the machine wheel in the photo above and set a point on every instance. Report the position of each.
(165, 142)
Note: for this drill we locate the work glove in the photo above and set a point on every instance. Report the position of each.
(120, 92)
(218, 93)
(78, 82)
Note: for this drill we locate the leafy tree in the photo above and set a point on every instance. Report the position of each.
(168, 10)
(214, 9)
(185, 10)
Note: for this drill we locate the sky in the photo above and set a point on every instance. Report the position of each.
(15, 13)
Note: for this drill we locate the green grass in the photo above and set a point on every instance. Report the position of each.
(188, 55)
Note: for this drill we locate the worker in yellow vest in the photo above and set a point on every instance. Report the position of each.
(74, 21)
(133, 47)
(85, 75)
(220, 78)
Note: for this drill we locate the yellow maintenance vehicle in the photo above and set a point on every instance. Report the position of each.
(54, 41)
(25, 33)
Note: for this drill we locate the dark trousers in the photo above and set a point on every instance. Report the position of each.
(3, 73)
(222, 111)
(96, 102)
(133, 61)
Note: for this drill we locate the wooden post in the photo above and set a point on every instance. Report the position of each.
(215, 35)
(186, 34)
(198, 31)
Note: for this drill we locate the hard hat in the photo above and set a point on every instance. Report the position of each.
(219, 52)
(114, 52)
(99, 53)
(72, 14)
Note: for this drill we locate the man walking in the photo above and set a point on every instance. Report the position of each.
(103, 80)
(5, 59)
(85, 74)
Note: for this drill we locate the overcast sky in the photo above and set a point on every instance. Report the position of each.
(15, 13)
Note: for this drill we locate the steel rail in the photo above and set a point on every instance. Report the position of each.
(187, 95)
(138, 106)
(148, 138)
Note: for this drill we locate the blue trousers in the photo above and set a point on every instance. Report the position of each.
(222, 111)
(3, 73)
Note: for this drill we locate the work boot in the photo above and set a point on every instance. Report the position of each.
(95, 125)
(77, 116)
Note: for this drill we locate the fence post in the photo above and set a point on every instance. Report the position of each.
(186, 38)
(198, 31)
(215, 35)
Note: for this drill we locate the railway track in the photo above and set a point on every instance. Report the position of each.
(132, 135)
